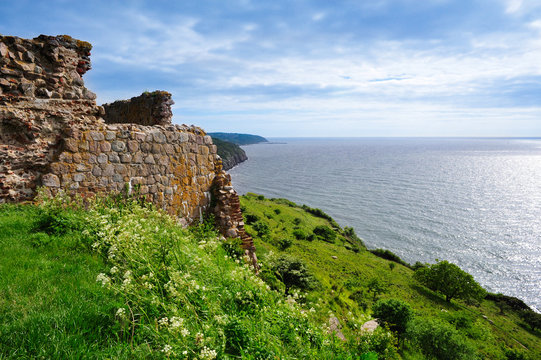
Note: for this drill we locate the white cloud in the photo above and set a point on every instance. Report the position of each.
(513, 6)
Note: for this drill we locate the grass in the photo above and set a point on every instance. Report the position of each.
(117, 279)
(51, 305)
(344, 276)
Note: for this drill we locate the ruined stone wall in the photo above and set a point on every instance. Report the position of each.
(228, 214)
(172, 166)
(53, 134)
(150, 108)
(42, 99)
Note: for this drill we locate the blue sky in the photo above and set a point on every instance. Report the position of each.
(312, 68)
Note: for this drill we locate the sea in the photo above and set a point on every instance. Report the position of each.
(475, 202)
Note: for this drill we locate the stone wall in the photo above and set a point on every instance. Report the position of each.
(150, 108)
(53, 134)
(171, 166)
(228, 214)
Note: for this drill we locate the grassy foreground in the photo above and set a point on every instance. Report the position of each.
(350, 280)
(117, 279)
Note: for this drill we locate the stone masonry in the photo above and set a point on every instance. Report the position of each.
(54, 135)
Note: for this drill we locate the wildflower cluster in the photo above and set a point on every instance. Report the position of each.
(187, 297)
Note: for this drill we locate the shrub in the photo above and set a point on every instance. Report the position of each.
(359, 298)
(233, 247)
(284, 243)
(389, 255)
(449, 280)
(325, 233)
(297, 221)
(293, 273)
(251, 218)
(439, 340)
(260, 197)
(394, 313)
(531, 318)
(261, 228)
(277, 211)
(299, 234)
(380, 342)
(377, 286)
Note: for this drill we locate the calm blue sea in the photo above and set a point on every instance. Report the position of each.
(474, 202)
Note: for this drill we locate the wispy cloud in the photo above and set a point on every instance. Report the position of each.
(387, 66)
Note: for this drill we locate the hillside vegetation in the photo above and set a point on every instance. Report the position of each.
(117, 279)
(239, 139)
(350, 280)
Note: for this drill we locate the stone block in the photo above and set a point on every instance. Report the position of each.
(97, 136)
(110, 135)
(125, 158)
(105, 146)
(118, 146)
(114, 158)
(102, 158)
(50, 180)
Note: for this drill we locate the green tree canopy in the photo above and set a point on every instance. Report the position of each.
(394, 313)
(293, 273)
(449, 280)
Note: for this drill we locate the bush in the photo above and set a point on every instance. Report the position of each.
(277, 211)
(531, 318)
(325, 233)
(284, 243)
(359, 298)
(438, 339)
(377, 286)
(233, 247)
(250, 218)
(297, 221)
(261, 228)
(293, 273)
(394, 313)
(299, 234)
(449, 280)
(389, 255)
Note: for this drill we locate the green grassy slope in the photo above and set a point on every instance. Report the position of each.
(118, 280)
(345, 275)
(50, 303)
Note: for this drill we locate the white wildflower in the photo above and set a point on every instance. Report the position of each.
(176, 322)
(104, 279)
(184, 332)
(163, 321)
(114, 270)
(207, 354)
(121, 313)
(167, 349)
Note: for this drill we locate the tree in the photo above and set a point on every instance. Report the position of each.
(438, 339)
(293, 273)
(449, 280)
(394, 313)
(376, 286)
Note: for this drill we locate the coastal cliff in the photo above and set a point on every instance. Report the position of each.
(231, 154)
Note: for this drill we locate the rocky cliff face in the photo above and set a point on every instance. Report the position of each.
(231, 154)
(53, 134)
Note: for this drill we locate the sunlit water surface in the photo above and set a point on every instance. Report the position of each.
(474, 202)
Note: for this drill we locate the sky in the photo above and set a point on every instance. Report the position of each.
(312, 68)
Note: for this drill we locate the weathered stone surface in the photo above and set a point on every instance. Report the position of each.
(52, 134)
(50, 180)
